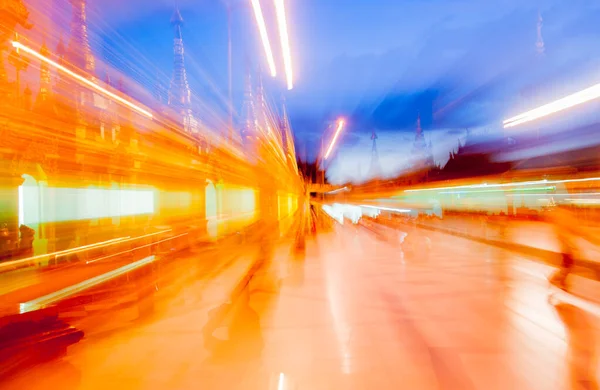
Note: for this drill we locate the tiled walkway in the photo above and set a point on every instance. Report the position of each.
(355, 314)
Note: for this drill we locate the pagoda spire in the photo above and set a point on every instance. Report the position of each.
(42, 101)
(539, 45)
(288, 137)
(180, 95)
(249, 114)
(422, 153)
(61, 85)
(419, 144)
(45, 81)
(375, 168)
(79, 51)
(264, 117)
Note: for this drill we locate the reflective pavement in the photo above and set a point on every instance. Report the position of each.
(354, 313)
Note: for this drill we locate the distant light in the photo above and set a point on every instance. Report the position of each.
(559, 105)
(262, 28)
(87, 82)
(338, 190)
(516, 184)
(549, 188)
(340, 126)
(285, 42)
(386, 208)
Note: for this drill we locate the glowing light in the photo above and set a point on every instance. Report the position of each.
(62, 253)
(340, 126)
(56, 296)
(280, 385)
(73, 204)
(285, 42)
(386, 208)
(550, 188)
(516, 184)
(45, 300)
(136, 248)
(583, 201)
(262, 29)
(559, 105)
(338, 190)
(82, 79)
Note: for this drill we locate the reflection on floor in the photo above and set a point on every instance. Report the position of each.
(354, 313)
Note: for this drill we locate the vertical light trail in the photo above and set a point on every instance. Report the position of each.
(18, 45)
(285, 42)
(335, 137)
(262, 29)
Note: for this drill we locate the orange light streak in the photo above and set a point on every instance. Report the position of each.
(556, 106)
(83, 248)
(65, 252)
(262, 28)
(87, 284)
(134, 249)
(82, 79)
(285, 42)
(48, 299)
(340, 126)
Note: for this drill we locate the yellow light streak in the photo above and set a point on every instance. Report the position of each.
(262, 29)
(285, 42)
(134, 249)
(340, 126)
(62, 253)
(56, 296)
(82, 79)
(83, 248)
(48, 299)
(558, 105)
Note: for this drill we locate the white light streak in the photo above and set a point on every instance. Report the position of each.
(82, 79)
(285, 42)
(262, 29)
(386, 208)
(340, 126)
(559, 105)
(516, 184)
(97, 245)
(48, 299)
(338, 190)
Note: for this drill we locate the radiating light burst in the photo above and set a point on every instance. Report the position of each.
(575, 99)
(262, 29)
(89, 83)
(340, 126)
(285, 42)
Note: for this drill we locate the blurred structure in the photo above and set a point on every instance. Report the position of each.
(80, 167)
(539, 44)
(375, 167)
(180, 95)
(421, 152)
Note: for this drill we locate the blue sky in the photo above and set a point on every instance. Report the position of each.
(379, 63)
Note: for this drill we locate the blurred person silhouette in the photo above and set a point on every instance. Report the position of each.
(566, 228)
(27, 236)
(582, 354)
(4, 238)
(244, 339)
